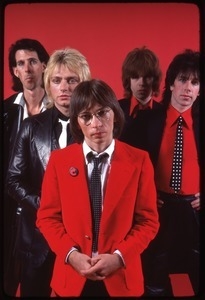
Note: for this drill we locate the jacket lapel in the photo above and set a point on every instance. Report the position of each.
(43, 138)
(77, 185)
(121, 172)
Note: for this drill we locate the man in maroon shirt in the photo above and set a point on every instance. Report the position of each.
(176, 246)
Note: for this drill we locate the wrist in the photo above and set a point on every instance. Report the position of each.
(119, 260)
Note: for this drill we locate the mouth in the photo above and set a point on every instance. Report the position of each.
(142, 91)
(65, 97)
(186, 96)
(98, 133)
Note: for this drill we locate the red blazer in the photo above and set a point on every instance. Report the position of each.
(129, 219)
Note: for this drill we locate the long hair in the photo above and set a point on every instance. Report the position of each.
(70, 58)
(141, 62)
(85, 96)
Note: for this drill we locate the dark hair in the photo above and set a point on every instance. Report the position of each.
(186, 63)
(141, 62)
(25, 44)
(85, 96)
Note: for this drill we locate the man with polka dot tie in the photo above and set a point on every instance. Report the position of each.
(176, 246)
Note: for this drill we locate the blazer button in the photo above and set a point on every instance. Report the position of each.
(87, 237)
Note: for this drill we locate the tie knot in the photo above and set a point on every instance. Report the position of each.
(180, 120)
(64, 123)
(97, 159)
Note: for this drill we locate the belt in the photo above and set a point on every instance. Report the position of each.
(175, 197)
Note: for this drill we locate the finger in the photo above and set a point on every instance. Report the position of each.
(94, 260)
(95, 277)
(92, 276)
(93, 271)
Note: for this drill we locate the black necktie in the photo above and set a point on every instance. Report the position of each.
(96, 198)
(175, 182)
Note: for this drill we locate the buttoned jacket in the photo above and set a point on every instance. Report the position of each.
(129, 218)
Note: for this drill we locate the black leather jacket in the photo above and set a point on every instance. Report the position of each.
(32, 150)
(12, 119)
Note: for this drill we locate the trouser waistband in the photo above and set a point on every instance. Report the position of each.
(175, 197)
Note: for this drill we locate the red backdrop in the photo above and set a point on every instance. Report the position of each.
(104, 33)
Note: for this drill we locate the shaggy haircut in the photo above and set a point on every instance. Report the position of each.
(85, 96)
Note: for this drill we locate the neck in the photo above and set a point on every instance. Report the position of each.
(181, 108)
(64, 110)
(144, 101)
(34, 96)
(33, 100)
(98, 147)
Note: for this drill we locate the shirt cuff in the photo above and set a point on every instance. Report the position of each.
(67, 256)
(120, 254)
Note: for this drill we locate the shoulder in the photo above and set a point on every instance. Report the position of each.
(42, 117)
(35, 123)
(124, 102)
(11, 98)
(71, 151)
(70, 155)
(157, 104)
(130, 151)
(8, 102)
(196, 108)
(157, 111)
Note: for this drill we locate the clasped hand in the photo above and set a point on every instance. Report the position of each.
(95, 268)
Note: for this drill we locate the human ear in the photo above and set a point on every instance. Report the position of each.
(44, 66)
(15, 71)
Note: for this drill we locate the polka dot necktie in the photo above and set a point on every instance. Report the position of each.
(96, 198)
(175, 182)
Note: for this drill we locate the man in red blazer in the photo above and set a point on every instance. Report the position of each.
(129, 218)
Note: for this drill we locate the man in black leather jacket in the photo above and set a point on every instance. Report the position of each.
(38, 136)
(27, 62)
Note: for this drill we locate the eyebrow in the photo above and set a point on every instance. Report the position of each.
(88, 112)
(69, 77)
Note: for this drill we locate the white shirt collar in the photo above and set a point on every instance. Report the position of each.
(109, 150)
(21, 101)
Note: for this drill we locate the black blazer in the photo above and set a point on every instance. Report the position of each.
(132, 133)
(35, 141)
(125, 105)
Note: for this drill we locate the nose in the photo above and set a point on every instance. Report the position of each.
(142, 80)
(64, 86)
(27, 66)
(95, 121)
(188, 85)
